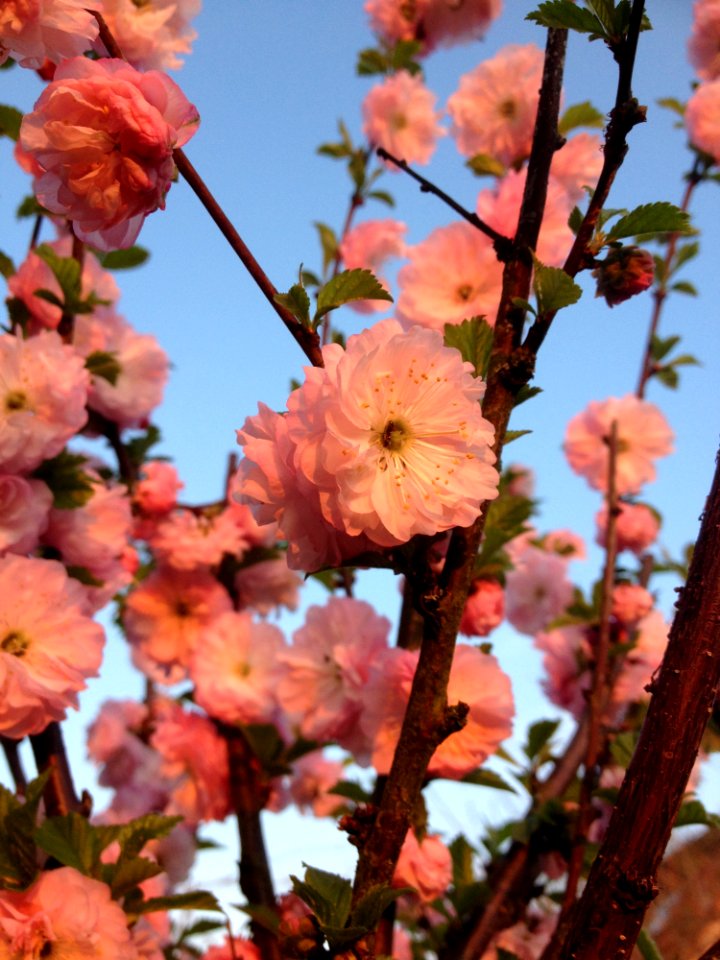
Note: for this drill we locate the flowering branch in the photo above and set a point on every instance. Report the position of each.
(49, 752)
(621, 884)
(503, 245)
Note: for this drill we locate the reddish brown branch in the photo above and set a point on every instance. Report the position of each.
(622, 880)
(49, 751)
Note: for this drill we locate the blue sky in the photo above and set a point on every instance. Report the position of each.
(271, 78)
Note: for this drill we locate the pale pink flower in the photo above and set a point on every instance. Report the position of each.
(399, 114)
(484, 608)
(113, 741)
(104, 135)
(186, 540)
(368, 246)
(566, 654)
(143, 367)
(157, 488)
(267, 585)
(165, 615)
(500, 208)
(704, 42)
(24, 508)
(493, 111)
(433, 22)
(631, 602)
(64, 914)
(48, 646)
(312, 776)
(453, 274)
(520, 480)
(43, 390)
(407, 445)
(637, 527)
(643, 435)
(151, 35)
(565, 544)
(195, 761)
(537, 590)
(475, 679)
(94, 536)
(236, 669)
(702, 121)
(648, 641)
(241, 949)
(34, 274)
(425, 865)
(327, 669)
(33, 31)
(577, 164)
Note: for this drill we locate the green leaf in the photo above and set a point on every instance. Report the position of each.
(194, 900)
(137, 449)
(488, 778)
(688, 251)
(328, 243)
(474, 339)
(72, 841)
(539, 735)
(622, 748)
(580, 115)
(18, 852)
(375, 902)
(651, 220)
(693, 811)
(10, 120)
(526, 393)
(685, 360)
(484, 165)
(647, 946)
(511, 435)
(135, 834)
(671, 103)
(668, 376)
(525, 305)
(554, 289)
(575, 219)
(84, 576)
(371, 62)
(328, 895)
(346, 286)
(462, 854)
(402, 56)
(127, 874)
(565, 14)
(105, 365)
(29, 207)
(351, 791)
(71, 487)
(383, 196)
(684, 286)
(7, 267)
(660, 347)
(124, 259)
(297, 302)
(267, 745)
(67, 271)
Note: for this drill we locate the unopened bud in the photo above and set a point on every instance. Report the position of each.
(623, 273)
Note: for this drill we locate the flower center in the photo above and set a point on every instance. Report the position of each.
(464, 292)
(507, 109)
(14, 643)
(15, 400)
(394, 435)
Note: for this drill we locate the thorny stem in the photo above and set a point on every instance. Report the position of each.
(660, 293)
(502, 244)
(623, 117)
(428, 718)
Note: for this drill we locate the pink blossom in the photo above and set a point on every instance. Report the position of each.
(425, 865)
(431, 21)
(104, 135)
(500, 208)
(113, 740)
(267, 585)
(649, 639)
(643, 435)
(157, 489)
(577, 164)
(32, 31)
(520, 480)
(484, 608)
(702, 118)
(566, 654)
(475, 679)
(704, 42)
(565, 544)
(34, 274)
(43, 390)
(637, 527)
(187, 540)
(195, 761)
(368, 246)
(142, 373)
(454, 274)
(165, 615)
(327, 669)
(494, 108)
(537, 590)
(151, 35)
(64, 914)
(24, 508)
(312, 776)
(236, 670)
(48, 646)
(631, 602)
(399, 114)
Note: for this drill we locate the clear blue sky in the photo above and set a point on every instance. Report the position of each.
(270, 79)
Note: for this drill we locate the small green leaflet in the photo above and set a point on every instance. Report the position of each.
(10, 119)
(297, 302)
(651, 220)
(483, 165)
(474, 339)
(554, 289)
(124, 259)
(105, 365)
(580, 115)
(346, 286)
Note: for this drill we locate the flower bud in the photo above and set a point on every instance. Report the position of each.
(623, 273)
